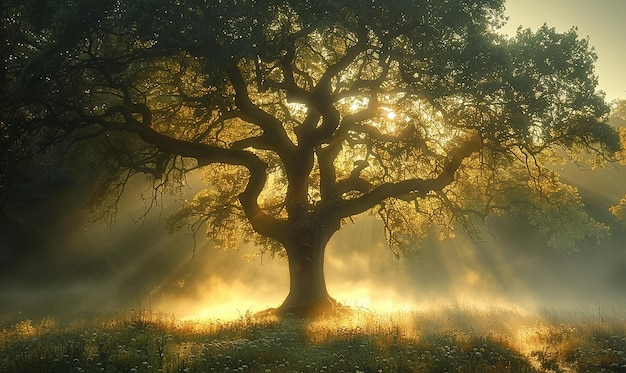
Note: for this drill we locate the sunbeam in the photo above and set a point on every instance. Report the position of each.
(411, 184)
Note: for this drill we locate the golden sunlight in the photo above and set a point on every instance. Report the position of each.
(226, 298)
(353, 104)
(391, 115)
(297, 109)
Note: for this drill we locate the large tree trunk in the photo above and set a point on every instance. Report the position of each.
(308, 296)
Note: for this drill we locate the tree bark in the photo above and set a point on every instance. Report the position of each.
(308, 296)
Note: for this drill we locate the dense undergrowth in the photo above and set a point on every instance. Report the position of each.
(449, 339)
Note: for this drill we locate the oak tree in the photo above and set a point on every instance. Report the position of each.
(304, 114)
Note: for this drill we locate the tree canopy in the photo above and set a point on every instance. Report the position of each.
(618, 115)
(302, 114)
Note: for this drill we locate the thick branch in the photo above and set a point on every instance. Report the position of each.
(354, 184)
(205, 155)
(250, 112)
(319, 99)
(415, 187)
(257, 142)
(329, 188)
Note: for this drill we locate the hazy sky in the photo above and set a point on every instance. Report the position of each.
(603, 21)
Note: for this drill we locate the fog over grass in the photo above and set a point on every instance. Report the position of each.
(80, 268)
(445, 338)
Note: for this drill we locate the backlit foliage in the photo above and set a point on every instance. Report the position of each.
(302, 114)
(618, 115)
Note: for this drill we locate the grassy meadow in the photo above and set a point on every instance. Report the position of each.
(444, 338)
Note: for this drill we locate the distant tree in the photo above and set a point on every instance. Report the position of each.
(304, 114)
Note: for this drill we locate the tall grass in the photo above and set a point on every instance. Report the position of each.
(443, 338)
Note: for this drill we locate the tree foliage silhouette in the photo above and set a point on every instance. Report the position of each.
(302, 114)
(618, 117)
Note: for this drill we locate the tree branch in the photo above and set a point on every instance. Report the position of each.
(413, 188)
(205, 155)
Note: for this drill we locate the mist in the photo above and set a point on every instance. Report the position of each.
(64, 266)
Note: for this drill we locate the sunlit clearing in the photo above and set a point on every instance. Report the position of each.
(438, 339)
(225, 312)
(225, 287)
(224, 299)
(383, 301)
(231, 303)
(381, 306)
